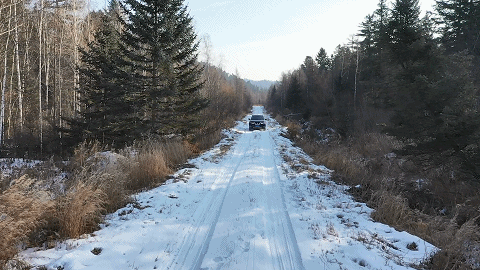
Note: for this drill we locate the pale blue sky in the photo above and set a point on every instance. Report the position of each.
(263, 38)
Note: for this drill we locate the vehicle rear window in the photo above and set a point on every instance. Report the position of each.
(257, 117)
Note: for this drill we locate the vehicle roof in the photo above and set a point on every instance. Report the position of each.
(257, 117)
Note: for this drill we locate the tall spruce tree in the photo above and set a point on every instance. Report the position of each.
(460, 28)
(368, 32)
(404, 30)
(294, 100)
(322, 59)
(160, 46)
(106, 88)
(382, 18)
(460, 25)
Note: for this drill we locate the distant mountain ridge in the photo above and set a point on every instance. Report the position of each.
(263, 84)
(258, 86)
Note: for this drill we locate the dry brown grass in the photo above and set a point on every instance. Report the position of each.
(293, 129)
(154, 161)
(96, 185)
(80, 211)
(391, 208)
(83, 152)
(147, 169)
(460, 246)
(22, 210)
(339, 159)
(375, 144)
(110, 179)
(177, 152)
(207, 139)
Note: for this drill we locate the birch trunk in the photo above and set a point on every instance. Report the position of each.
(19, 77)
(76, 75)
(4, 82)
(40, 48)
(47, 72)
(10, 125)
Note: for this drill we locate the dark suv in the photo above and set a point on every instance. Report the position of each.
(256, 122)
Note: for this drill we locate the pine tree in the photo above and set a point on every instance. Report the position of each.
(432, 93)
(105, 90)
(404, 30)
(368, 32)
(461, 25)
(294, 99)
(161, 48)
(381, 21)
(322, 59)
(460, 21)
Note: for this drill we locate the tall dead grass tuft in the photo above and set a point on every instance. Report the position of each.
(154, 160)
(293, 129)
(110, 179)
(83, 152)
(375, 144)
(147, 168)
(460, 246)
(207, 139)
(340, 159)
(79, 212)
(391, 209)
(22, 210)
(176, 152)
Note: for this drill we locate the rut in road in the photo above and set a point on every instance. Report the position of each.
(195, 240)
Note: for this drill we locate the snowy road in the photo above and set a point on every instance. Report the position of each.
(252, 202)
(243, 223)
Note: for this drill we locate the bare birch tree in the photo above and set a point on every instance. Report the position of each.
(4, 79)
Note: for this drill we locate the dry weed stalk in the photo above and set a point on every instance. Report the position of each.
(80, 210)
(83, 152)
(110, 178)
(391, 209)
(176, 152)
(22, 210)
(147, 168)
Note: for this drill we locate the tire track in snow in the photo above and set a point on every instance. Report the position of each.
(282, 241)
(293, 260)
(254, 230)
(197, 238)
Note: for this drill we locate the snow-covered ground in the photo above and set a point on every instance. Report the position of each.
(252, 202)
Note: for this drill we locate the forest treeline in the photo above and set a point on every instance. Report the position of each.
(396, 110)
(128, 72)
(413, 78)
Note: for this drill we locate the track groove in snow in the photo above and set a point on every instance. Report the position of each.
(257, 220)
(260, 205)
(195, 241)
